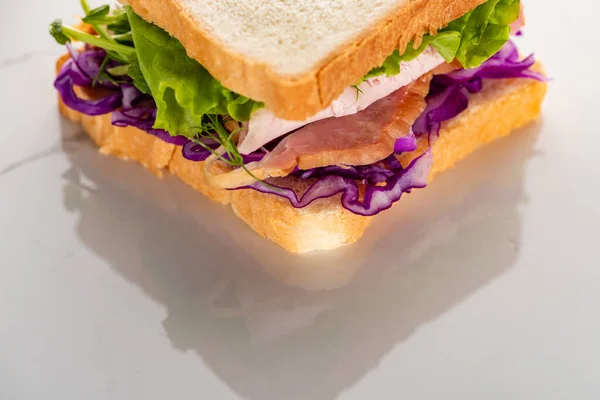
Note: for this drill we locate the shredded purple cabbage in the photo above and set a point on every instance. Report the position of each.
(82, 69)
(195, 152)
(89, 63)
(406, 144)
(376, 198)
(384, 182)
(139, 111)
(371, 174)
(128, 105)
(448, 96)
(69, 76)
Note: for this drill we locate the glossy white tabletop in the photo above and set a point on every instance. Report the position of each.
(118, 285)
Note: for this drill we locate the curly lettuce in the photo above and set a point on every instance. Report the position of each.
(471, 39)
(184, 91)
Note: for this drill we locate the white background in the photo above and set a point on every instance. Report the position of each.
(118, 285)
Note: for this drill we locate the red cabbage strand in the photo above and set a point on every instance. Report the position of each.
(376, 198)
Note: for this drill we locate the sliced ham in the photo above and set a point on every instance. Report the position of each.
(264, 126)
(359, 139)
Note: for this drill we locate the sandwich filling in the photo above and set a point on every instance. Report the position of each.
(264, 126)
(144, 77)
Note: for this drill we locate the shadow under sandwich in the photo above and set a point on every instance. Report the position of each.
(270, 338)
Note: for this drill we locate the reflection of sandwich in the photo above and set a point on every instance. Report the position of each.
(307, 116)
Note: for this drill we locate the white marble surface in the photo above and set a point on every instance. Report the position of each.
(117, 285)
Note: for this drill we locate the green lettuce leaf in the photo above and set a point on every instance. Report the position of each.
(446, 43)
(471, 39)
(134, 71)
(184, 91)
(484, 30)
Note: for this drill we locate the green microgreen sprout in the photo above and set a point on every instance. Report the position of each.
(213, 128)
(64, 34)
(102, 73)
(119, 70)
(358, 91)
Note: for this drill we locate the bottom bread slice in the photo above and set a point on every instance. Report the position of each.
(502, 107)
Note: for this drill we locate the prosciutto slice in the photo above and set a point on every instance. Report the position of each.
(359, 139)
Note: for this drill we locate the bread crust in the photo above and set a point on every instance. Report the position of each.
(301, 96)
(502, 107)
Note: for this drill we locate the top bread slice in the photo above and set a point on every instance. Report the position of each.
(296, 56)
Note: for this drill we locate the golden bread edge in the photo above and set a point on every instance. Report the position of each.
(299, 97)
(499, 109)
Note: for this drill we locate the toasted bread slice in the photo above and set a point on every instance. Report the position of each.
(299, 56)
(502, 107)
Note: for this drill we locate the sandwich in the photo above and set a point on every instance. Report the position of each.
(308, 117)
